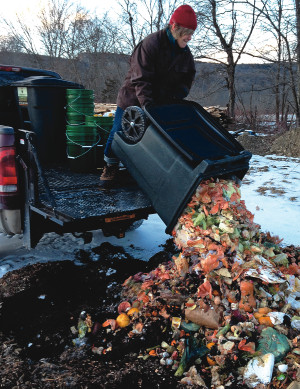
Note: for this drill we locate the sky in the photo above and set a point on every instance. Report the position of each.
(9, 9)
(27, 9)
(270, 189)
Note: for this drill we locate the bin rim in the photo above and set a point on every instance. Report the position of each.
(150, 111)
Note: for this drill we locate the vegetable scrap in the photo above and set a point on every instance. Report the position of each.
(228, 302)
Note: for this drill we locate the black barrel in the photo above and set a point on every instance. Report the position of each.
(42, 101)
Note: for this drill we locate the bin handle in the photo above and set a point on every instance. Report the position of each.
(78, 144)
(72, 124)
(98, 125)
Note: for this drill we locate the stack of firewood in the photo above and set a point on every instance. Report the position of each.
(220, 113)
(101, 108)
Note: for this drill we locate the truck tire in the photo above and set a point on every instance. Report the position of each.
(10, 221)
(134, 122)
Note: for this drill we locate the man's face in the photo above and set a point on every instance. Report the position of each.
(184, 40)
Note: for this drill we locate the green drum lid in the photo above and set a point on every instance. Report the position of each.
(79, 105)
(81, 110)
(79, 92)
(81, 129)
(75, 116)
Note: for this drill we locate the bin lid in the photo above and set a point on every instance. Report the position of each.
(46, 81)
(193, 131)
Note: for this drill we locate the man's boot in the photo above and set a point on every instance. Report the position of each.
(109, 174)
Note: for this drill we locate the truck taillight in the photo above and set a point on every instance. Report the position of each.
(6, 68)
(8, 170)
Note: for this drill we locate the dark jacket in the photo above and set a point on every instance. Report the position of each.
(159, 72)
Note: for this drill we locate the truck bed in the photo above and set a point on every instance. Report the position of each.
(78, 196)
(60, 200)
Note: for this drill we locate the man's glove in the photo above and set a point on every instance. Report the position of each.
(147, 106)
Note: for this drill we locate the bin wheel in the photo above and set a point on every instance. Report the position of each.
(134, 123)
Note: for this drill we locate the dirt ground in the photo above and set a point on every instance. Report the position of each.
(40, 306)
(287, 144)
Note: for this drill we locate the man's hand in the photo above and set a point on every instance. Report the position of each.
(147, 106)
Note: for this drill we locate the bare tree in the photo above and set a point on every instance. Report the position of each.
(10, 43)
(143, 17)
(297, 8)
(23, 36)
(225, 28)
(279, 21)
(54, 19)
(62, 30)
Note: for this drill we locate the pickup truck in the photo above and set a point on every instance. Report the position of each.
(39, 192)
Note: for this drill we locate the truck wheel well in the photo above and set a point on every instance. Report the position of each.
(10, 221)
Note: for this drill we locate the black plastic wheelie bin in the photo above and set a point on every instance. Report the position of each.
(169, 149)
(42, 102)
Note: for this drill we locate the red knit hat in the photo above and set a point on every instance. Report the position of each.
(185, 17)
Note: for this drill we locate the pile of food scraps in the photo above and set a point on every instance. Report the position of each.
(227, 305)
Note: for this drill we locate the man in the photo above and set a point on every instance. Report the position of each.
(162, 68)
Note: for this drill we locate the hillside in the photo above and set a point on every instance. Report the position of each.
(104, 72)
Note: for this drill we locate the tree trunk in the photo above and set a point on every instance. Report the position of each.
(279, 65)
(297, 3)
(231, 85)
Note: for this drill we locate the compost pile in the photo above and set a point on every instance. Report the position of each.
(226, 306)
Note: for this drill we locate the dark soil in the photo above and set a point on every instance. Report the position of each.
(39, 305)
(259, 145)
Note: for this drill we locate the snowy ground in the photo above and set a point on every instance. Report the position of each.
(271, 190)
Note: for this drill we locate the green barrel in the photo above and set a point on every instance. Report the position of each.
(79, 92)
(80, 102)
(104, 125)
(75, 118)
(82, 141)
(81, 109)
